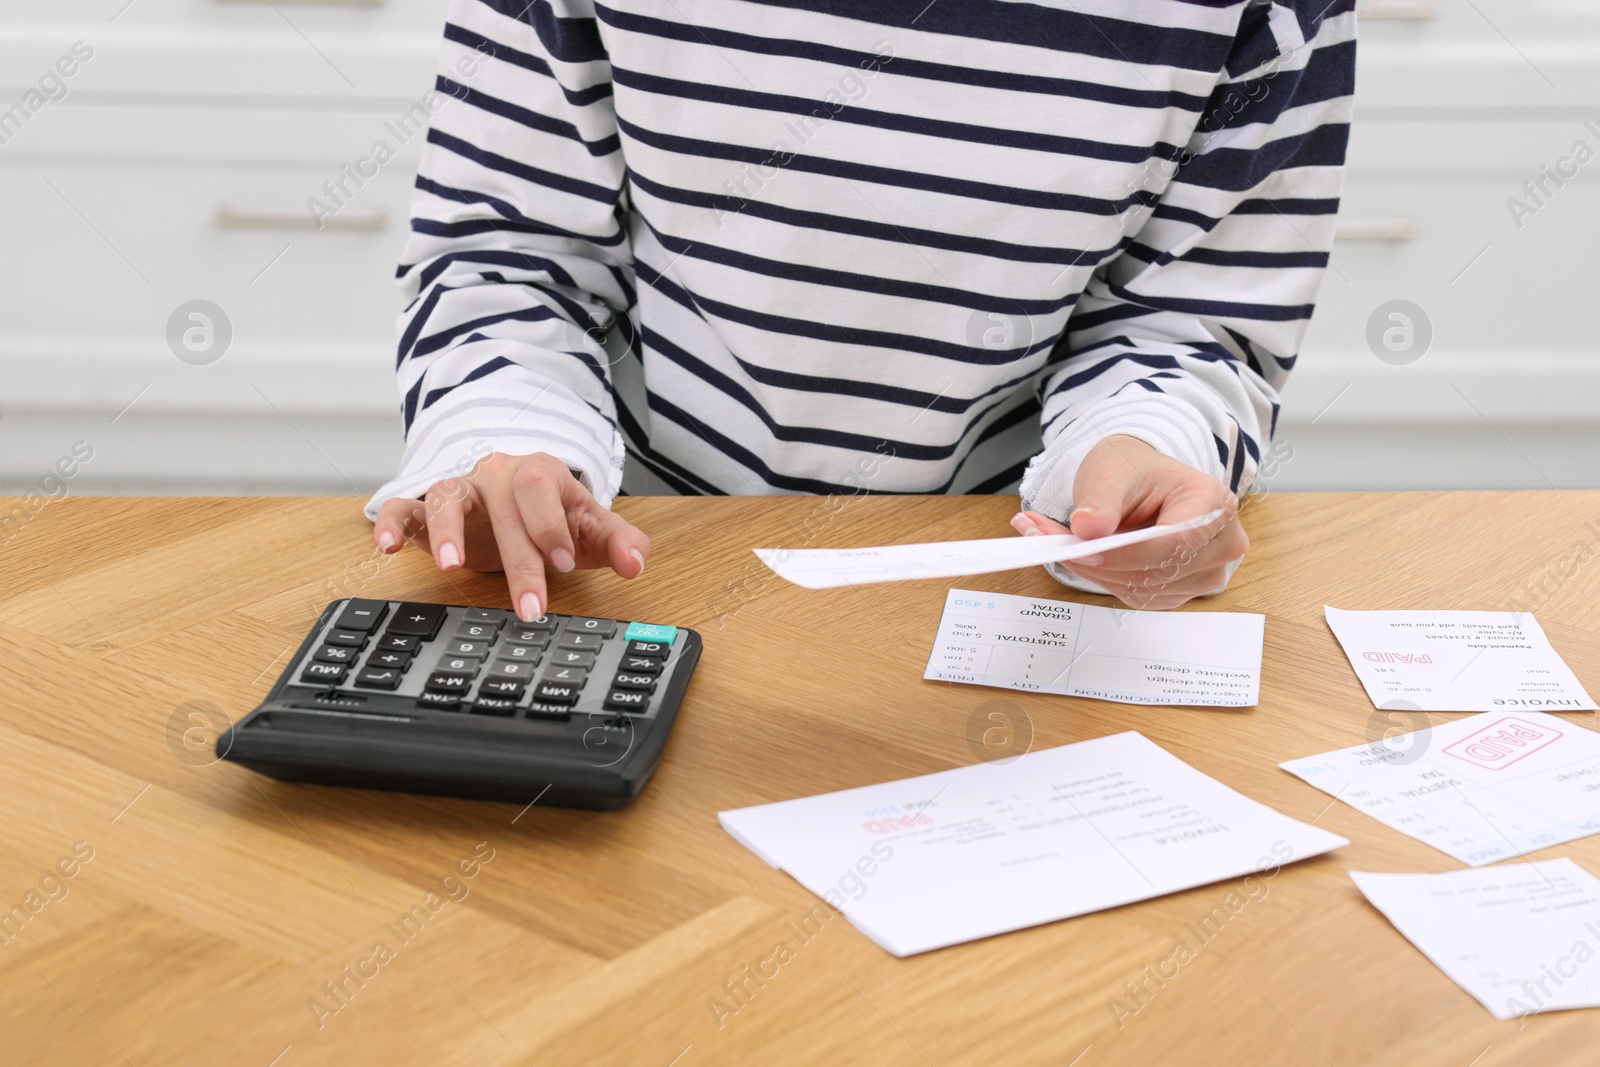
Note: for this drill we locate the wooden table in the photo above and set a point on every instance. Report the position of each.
(217, 903)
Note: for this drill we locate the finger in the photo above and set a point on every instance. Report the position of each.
(607, 539)
(1033, 524)
(398, 521)
(446, 506)
(1218, 541)
(1111, 489)
(520, 558)
(539, 487)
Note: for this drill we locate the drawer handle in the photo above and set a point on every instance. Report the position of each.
(1399, 10)
(228, 218)
(311, 3)
(1374, 230)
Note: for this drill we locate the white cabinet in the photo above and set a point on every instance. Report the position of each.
(1453, 115)
(176, 163)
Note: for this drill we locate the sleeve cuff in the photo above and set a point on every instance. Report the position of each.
(474, 422)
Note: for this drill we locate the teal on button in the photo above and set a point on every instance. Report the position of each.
(647, 631)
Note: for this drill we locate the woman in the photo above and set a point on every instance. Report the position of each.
(809, 246)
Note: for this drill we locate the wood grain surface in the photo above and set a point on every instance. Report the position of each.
(217, 908)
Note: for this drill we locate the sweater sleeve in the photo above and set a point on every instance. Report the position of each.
(515, 266)
(1184, 339)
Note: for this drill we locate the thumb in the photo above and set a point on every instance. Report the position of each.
(1108, 488)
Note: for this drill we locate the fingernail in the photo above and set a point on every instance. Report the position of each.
(636, 554)
(449, 556)
(1080, 511)
(1024, 525)
(528, 607)
(1089, 561)
(562, 560)
(387, 541)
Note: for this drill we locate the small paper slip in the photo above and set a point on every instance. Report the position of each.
(927, 862)
(1480, 789)
(1133, 657)
(825, 568)
(1456, 661)
(1522, 938)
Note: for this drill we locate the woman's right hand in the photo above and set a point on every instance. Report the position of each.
(516, 514)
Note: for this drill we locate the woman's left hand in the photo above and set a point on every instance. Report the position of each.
(1125, 484)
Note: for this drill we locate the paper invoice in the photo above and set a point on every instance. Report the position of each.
(1521, 938)
(1480, 789)
(1133, 657)
(963, 854)
(1456, 660)
(826, 568)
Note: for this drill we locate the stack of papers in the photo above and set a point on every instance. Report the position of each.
(945, 858)
(1479, 789)
(1522, 938)
(1133, 657)
(1457, 661)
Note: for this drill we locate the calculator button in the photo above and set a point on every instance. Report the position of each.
(625, 680)
(547, 623)
(449, 682)
(526, 635)
(393, 642)
(378, 678)
(420, 619)
(467, 665)
(600, 627)
(656, 649)
(335, 654)
(439, 701)
(647, 631)
(581, 642)
(492, 616)
(494, 706)
(511, 668)
(502, 687)
(555, 693)
(324, 673)
(640, 664)
(397, 661)
(573, 659)
(545, 710)
(569, 675)
(524, 653)
(352, 638)
(467, 648)
(362, 614)
(477, 631)
(627, 700)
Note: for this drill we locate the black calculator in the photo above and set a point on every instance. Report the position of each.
(566, 710)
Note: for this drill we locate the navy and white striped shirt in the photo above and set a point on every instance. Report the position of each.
(818, 246)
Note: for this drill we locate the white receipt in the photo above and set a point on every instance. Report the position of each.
(927, 862)
(825, 568)
(1133, 657)
(1481, 789)
(1456, 661)
(1521, 939)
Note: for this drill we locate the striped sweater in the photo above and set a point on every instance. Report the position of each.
(819, 246)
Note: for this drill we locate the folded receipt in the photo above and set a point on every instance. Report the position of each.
(828, 568)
